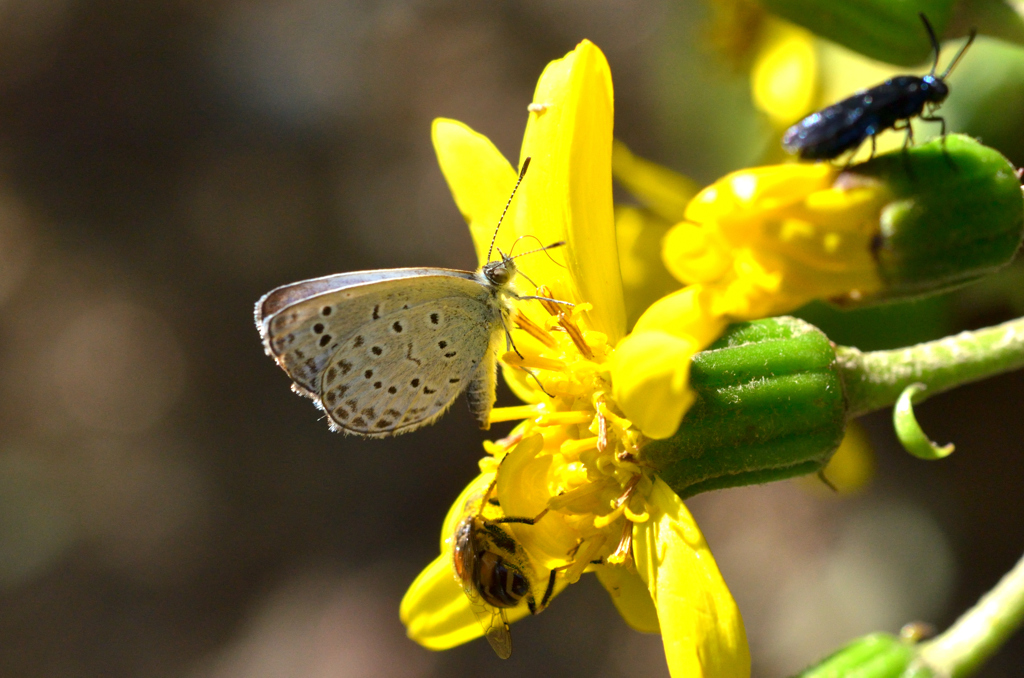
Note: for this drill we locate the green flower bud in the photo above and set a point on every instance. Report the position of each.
(769, 406)
(957, 215)
(881, 29)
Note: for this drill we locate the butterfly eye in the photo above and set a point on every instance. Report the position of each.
(497, 273)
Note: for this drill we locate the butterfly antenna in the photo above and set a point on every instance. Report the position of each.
(560, 243)
(956, 59)
(522, 173)
(543, 249)
(935, 40)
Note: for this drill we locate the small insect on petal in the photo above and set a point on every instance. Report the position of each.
(844, 126)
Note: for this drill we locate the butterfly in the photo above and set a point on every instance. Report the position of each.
(385, 352)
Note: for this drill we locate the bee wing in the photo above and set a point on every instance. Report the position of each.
(495, 624)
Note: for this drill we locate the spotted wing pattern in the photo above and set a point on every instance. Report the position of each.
(382, 352)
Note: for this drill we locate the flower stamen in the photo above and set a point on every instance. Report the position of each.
(602, 432)
(624, 550)
(566, 418)
(533, 361)
(549, 306)
(576, 334)
(515, 413)
(524, 323)
(575, 447)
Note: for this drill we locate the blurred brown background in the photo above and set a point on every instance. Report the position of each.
(168, 508)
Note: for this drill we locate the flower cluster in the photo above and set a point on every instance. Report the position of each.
(569, 490)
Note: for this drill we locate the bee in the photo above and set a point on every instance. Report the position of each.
(493, 570)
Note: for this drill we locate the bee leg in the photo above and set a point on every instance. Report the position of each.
(548, 591)
(521, 521)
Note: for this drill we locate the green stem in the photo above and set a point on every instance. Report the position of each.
(875, 379)
(965, 645)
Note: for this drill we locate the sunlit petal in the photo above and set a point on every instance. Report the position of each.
(701, 626)
(631, 597)
(570, 192)
(480, 179)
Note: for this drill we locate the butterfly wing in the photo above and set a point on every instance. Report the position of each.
(382, 352)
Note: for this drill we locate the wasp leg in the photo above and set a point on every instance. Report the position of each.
(909, 140)
(942, 121)
(906, 144)
(936, 118)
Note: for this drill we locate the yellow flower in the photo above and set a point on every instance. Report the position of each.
(639, 229)
(785, 72)
(756, 243)
(573, 467)
(767, 240)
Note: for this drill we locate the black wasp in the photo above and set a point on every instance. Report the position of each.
(843, 126)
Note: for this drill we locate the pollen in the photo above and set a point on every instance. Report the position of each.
(573, 456)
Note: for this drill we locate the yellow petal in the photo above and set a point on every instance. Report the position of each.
(631, 597)
(686, 313)
(477, 486)
(523, 491)
(569, 191)
(701, 626)
(436, 612)
(851, 467)
(785, 73)
(645, 279)
(694, 254)
(665, 192)
(650, 377)
(480, 179)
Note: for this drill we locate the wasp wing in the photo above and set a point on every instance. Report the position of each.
(844, 125)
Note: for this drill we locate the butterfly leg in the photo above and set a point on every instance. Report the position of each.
(553, 301)
(508, 336)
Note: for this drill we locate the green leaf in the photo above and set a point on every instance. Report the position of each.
(910, 433)
(881, 29)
